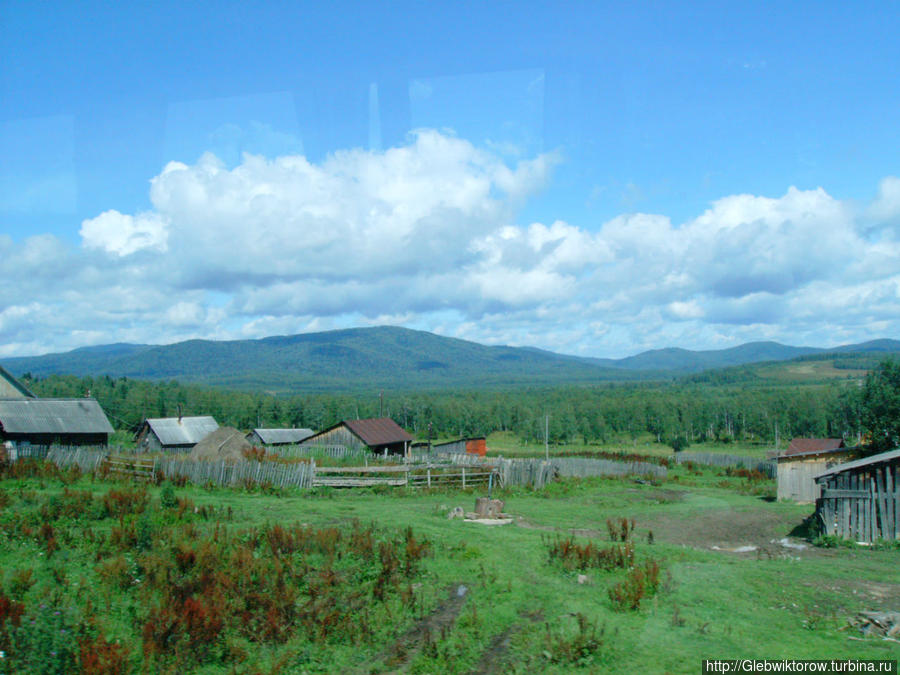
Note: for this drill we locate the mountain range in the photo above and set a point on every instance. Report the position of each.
(394, 358)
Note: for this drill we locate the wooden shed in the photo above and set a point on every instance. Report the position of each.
(279, 436)
(45, 421)
(469, 446)
(381, 435)
(805, 459)
(174, 434)
(861, 499)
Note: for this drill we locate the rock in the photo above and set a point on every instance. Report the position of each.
(455, 512)
(582, 579)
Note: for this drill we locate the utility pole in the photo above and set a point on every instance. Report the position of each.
(547, 436)
(381, 404)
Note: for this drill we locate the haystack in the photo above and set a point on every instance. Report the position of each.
(225, 443)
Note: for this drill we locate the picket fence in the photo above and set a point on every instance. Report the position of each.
(767, 467)
(537, 473)
(298, 474)
(86, 458)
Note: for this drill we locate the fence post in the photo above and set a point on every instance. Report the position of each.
(429, 476)
(464, 477)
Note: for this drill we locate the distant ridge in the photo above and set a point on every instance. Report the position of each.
(393, 357)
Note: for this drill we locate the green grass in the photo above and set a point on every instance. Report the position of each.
(710, 604)
(508, 444)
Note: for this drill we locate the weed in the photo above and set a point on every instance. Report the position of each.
(578, 649)
(641, 582)
(619, 529)
(581, 557)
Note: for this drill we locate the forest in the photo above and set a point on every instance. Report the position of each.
(689, 410)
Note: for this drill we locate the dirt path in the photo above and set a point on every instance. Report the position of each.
(398, 656)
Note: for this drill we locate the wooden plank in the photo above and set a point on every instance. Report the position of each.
(873, 529)
(363, 469)
(357, 482)
(845, 494)
(891, 502)
(845, 508)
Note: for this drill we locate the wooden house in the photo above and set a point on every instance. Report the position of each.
(279, 436)
(48, 421)
(380, 435)
(805, 459)
(861, 499)
(174, 434)
(10, 387)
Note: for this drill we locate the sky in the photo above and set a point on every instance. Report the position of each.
(590, 178)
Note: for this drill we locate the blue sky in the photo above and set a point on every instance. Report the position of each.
(592, 178)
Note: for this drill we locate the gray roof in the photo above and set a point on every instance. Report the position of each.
(282, 436)
(53, 416)
(182, 431)
(865, 461)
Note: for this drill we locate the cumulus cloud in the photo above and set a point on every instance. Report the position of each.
(426, 234)
(121, 234)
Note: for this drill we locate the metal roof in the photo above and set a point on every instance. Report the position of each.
(282, 436)
(378, 431)
(13, 385)
(865, 461)
(53, 416)
(183, 430)
(813, 446)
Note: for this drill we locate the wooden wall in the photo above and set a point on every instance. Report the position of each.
(862, 504)
(797, 478)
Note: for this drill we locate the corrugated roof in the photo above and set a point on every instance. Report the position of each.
(813, 446)
(13, 385)
(183, 431)
(379, 431)
(865, 461)
(53, 416)
(279, 436)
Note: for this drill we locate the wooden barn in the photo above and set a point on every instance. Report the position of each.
(174, 434)
(861, 499)
(10, 387)
(279, 436)
(48, 421)
(464, 446)
(805, 459)
(381, 435)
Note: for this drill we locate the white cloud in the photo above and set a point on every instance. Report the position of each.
(122, 234)
(426, 235)
(886, 207)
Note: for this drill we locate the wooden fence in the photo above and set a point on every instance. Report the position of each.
(411, 475)
(861, 502)
(297, 474)
(86, 458)
(315, 451)
(767, 467)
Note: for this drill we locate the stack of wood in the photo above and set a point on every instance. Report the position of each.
(878, 624)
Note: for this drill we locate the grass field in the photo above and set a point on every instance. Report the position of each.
(522, 611)
(509, 445)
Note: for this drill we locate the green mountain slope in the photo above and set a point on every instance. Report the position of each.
(391, 357)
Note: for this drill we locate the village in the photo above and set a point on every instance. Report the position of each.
(591, 542)
(854, 498)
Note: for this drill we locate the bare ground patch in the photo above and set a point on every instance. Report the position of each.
(726, 529)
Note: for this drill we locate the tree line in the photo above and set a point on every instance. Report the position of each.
(676, 412)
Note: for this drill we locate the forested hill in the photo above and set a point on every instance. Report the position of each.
(390, 357)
